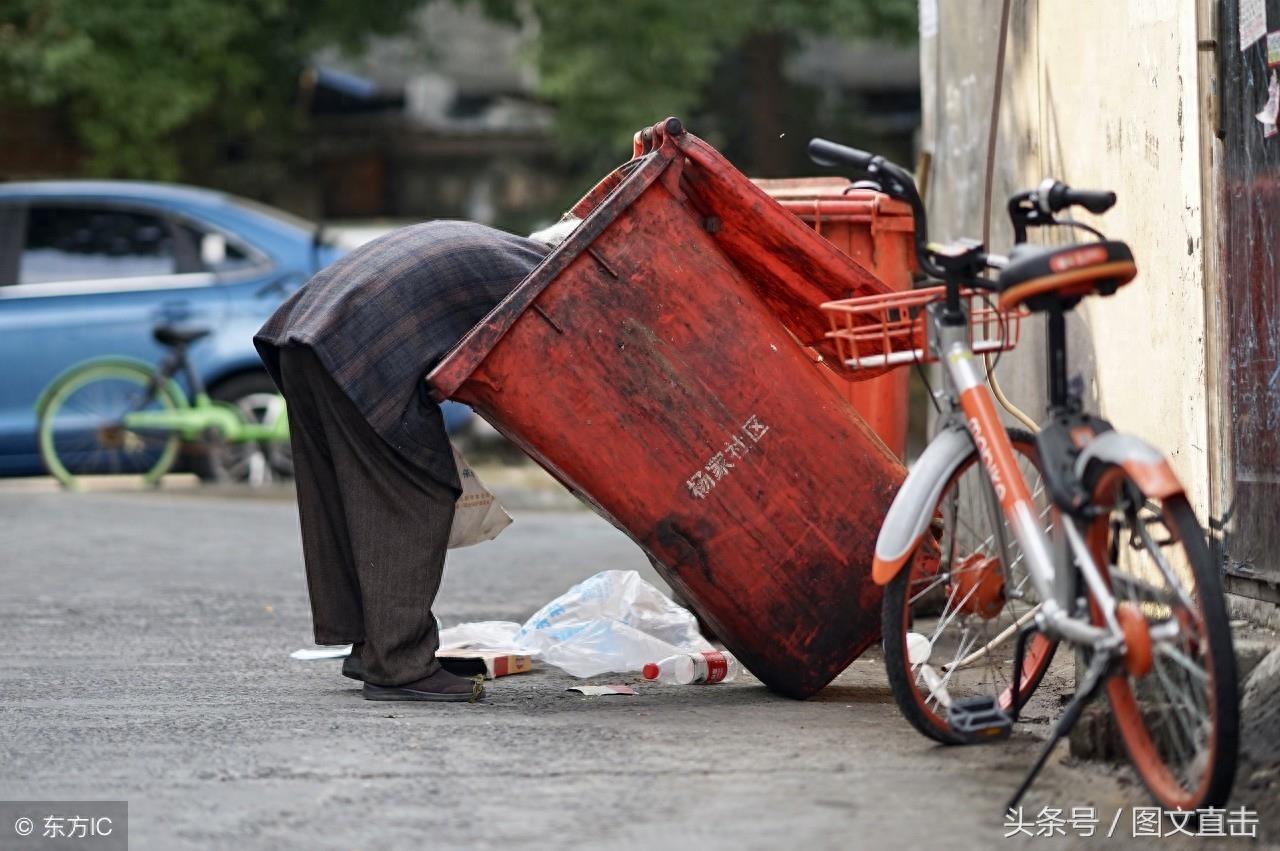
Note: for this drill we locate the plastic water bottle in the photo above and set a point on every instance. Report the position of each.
(709, 666)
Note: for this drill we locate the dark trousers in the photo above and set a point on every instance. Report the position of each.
(375, 529)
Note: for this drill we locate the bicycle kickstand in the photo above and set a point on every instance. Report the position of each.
(1095, 675)
(1019, 656)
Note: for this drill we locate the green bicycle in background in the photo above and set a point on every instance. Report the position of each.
(122, 416)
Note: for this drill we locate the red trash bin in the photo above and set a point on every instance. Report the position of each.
(879, 233)
(663, 384)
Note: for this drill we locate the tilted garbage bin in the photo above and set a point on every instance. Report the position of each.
(660, 380)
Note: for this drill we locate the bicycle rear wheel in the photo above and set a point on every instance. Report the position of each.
(950, 628)
(1175, 704)
(81, 430)
(254, 463)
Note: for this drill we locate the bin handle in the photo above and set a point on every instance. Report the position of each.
(555, 325)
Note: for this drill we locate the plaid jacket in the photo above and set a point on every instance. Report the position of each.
(381, 317)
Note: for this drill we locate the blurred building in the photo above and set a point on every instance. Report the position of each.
(444, 120)
(35, 143)
(441, 121)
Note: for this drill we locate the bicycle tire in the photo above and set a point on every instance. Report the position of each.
(242, 391)
(1127, 694)
(896, 623)
(68, 466)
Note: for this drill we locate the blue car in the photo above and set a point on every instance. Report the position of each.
(89, 268)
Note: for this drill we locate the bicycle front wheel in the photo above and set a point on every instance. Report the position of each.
(1175, 703)
(82, 433)
(950, 628)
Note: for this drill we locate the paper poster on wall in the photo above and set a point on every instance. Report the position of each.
(1253, 21)
(1273, 49)
(1271, 109)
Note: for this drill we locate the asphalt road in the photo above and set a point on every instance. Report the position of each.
(146, 659)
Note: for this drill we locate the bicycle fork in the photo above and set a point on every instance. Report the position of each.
(1055, 588)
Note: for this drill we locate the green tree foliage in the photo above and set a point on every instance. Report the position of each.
(612, 67)
(171, 89)
(153, 88)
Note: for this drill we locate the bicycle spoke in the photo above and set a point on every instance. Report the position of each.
(961, 651)
(936, 581)
(1178, 723)
(1183, 661)
(946, 620)
(970, 627)
(1161, 562)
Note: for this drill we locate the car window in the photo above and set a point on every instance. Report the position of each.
(94, 243)
(218, 253)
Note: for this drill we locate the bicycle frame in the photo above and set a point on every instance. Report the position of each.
(971, 423)
(206, 414)
(203, 415)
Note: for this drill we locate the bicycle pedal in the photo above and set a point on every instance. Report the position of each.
(979, 719)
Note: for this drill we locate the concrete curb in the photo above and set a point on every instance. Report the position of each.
(1096, 737)
(1259, 777)
(518, 487)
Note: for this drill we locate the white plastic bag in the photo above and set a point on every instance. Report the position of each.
(613, 621)
(478, 515)
(481, 636)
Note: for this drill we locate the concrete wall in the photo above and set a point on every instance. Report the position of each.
(1102, 95)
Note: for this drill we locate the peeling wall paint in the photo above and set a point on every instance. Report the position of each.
(1102, 95)
(1248, 255)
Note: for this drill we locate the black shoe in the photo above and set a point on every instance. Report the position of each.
(441, 686)
(353, 666)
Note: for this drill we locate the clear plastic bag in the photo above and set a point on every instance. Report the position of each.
(613, 621)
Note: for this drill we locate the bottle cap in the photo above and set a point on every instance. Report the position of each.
(650, 671)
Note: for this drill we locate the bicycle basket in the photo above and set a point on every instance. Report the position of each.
(878, 332)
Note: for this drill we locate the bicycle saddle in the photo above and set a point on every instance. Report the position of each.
(1038, 276)
(177, 335)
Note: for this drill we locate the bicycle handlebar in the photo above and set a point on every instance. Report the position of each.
(1054, 196)
(1033, 207)
(894, 181)
(824, 152)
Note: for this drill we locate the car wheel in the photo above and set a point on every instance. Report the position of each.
(254, 464)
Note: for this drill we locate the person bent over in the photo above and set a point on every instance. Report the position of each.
(375, 474)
